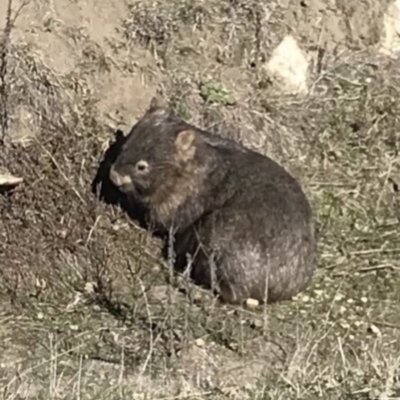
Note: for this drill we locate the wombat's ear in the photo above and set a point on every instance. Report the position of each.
(158, 102)
(185, 145)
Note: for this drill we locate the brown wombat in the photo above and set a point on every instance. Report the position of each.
(244, 222)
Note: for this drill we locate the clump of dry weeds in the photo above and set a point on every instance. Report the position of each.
(87, 307)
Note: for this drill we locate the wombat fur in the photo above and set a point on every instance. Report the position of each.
(244, 221)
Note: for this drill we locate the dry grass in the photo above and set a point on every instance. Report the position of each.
(87, 309)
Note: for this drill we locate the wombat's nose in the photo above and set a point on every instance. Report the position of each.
(117, 179)
(114, 177)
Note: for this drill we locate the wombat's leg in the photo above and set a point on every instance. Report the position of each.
(221, 281)
(210, 272)
(241, 277)
(203, 270)
(228, 293)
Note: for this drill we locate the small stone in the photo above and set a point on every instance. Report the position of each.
(350, 301)
(40, 315)
(364, 300)
(252, 303)
(257, 323)
(338, 297)
(200, 342)
(305, 298)
(74, 327)
(375, 330)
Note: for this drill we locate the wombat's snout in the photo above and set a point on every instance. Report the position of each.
(119, 180)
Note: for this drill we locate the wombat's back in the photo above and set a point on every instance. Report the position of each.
(263, 236)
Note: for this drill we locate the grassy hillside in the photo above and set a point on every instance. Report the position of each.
(88, 308)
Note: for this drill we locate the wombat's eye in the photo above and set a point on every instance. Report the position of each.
(142, 166)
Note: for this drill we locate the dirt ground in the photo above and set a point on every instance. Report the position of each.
(87, 306)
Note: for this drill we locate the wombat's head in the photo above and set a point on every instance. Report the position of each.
(157, 152)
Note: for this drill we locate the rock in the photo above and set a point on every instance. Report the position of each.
(288, 67)
(6, 179)
(390, 35)
(200, 342)
(375, 330)
(252, 303)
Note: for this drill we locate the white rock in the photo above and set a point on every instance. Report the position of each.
(375, 330)
(200, 342)
(338, 297)
(390, 35)
(305, 298)
(252, 303)
(6, 179)
(288, 67)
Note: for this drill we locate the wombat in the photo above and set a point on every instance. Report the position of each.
(238, 219)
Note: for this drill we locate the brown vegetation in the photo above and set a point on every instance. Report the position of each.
(89, 309)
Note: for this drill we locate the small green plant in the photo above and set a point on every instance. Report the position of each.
(48, 24)
(215, 92)
(182, 110)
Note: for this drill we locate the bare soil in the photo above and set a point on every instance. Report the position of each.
(88, 308)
